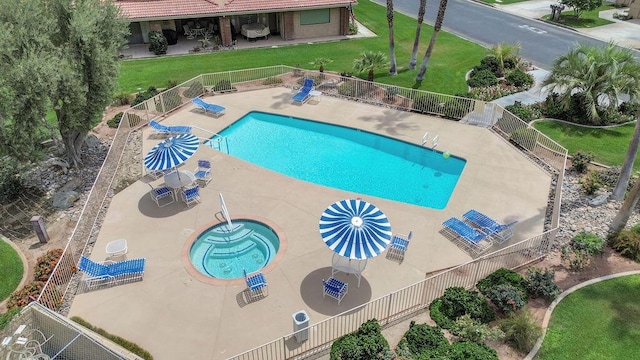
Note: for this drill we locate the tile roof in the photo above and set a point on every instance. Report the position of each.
(163, 9)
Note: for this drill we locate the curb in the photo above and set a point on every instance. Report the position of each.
(547, 315)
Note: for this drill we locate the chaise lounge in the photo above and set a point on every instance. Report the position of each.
(500, 232)
(216, 110)
(468, 237)
(305, 91)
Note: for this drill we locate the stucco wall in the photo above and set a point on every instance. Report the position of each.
(634, 9)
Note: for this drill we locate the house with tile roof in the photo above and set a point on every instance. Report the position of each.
(227, 19)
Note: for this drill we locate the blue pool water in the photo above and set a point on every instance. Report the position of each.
(344, 158)
(221, 253)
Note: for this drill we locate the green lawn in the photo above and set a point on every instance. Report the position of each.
(10, 270)
(608, 145)
(600, 321)
(452, 57)
(588, 19)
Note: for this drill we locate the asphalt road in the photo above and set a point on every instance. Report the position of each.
(541, 43)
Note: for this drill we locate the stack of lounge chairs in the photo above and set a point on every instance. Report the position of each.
(477, 232)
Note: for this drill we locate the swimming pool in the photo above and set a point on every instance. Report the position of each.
(344, 158)
(222, 253)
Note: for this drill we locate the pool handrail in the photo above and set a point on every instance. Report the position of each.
(225, 211)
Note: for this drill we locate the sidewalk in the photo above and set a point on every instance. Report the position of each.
(624, 33)
(531, 96)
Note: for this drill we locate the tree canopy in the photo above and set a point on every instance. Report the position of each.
(59, 57)
(579, 6)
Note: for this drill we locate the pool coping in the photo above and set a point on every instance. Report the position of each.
(547, 315)
(186, 258)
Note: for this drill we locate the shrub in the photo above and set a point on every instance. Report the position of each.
(627, 243)
(134, 348)
(354, 88)
(591, 182)
(519, 78)
(580, 161)
(511, 62)
(423, 340)
(45, 264)
(507, 298)
(5, 318)
(157, 43)
(11, 185)
(540, 283)
(521, 330)
(525, 138)
(501, 276)
(467, 329)
(428, 103)
(114, 122)
(456, 302)
(457, 108)
(272, 80)
(121, 98)
(526, 113)
(171, 84)
(145, 95)
(482, 78)
(553, 107)
(24, 296)
(466, 350)
(628, 108)
(591, 243)
(579, 251)
(609, 177)
(490, 63)
(195, 89)
(223, 85)
(366, 343)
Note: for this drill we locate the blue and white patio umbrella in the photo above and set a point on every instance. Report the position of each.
(355, 229)
(171, 152)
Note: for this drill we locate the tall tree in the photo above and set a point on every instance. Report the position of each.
(579, 6)
(502, 52)
(625, 172)
(623, 215)
(600, 74)
(392, 45)
(58, 55)
(432, 42)
(370, 61)
(416, 41)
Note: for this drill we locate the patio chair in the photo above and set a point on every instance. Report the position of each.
(190, 34)
(501, 232)
(191, 195)
(159, 193)
(110, 272)
(398, 246)
(334, 288)
(305, 91)
(475, 240)
(256, 284)
(203, 172)
(216, 110)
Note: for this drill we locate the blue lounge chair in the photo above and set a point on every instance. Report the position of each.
(334, 288)
(111, 272)
(501, 232)
(304, 93)
(216, 110)
(203, 172)
(169, 130)
(476, 240)
(398, 246)
(256, 284)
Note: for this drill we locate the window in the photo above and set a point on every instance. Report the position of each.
(312, 17)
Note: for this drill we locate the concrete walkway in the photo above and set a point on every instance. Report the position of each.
(531, 96)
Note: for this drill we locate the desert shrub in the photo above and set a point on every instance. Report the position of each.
(114, 122)
(540, 283)
(501, 276)
(145, 95)
(627, 243)
(133, 347)
(521, 330)
(507, 298)
(580, 161)
(482, 78)
(467, 329)
(458, 301)
(157, 43)
(45, 264)
(195, 89)
(590, 182)
(423, 340)
(526, 113)
(5, 318)
(272, 80)
(581, 248)
(591, 243)
(524, 138)
(121, 98)
(366, 343)
(467, 350)
(519, 78)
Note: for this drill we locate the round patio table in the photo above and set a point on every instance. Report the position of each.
(178, 179)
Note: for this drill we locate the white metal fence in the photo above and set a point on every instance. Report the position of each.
(59, 290)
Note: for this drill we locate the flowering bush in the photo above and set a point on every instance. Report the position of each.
(27, 294)
(45, 264)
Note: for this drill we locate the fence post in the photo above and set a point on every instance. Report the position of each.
(389, 308)
(40, 229)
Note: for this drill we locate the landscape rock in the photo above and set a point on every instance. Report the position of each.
(65, 199)
(599, 200)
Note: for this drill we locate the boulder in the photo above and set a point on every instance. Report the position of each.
(599, 200)
(71, 185)
(65, 199)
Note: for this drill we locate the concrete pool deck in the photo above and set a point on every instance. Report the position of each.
(173, 315)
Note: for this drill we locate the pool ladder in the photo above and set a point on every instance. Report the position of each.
(434, 141)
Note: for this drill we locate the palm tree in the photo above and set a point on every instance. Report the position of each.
(416, 42)
(600, 74)
(625, 173)
(370, 61)
(502, 52)
(436, 30)
(392, 46)
(321, 62)
(623, 215)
